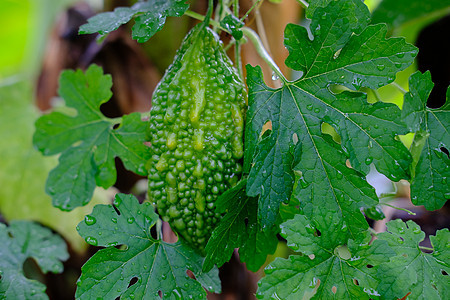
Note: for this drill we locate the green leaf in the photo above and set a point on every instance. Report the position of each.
(396, 13)
(423, 275)
(24, 170)
(22, 240)
(431, 166)
(150, 264)
(88, 142)
(150, 17)
(347, 52)
(328, 267)
(239, 228)
(232, 24)
(313, 5)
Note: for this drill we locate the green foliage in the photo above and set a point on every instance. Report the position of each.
(88, 142)
(149, 15)
(295, 174)
(196, 129)
(348, 52)
(239, 228)
(155, 266)
(22, 240)
(431, 166)
(423, 275)
(396, 13)
(329, 266)
(24, 170)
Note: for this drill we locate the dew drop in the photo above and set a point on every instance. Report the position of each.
(400, 241)
(317, 110)
(275, 76)
(114, 220)
(368, 160)
(309, 106)
(381, 67)
(398, 65)
(130, 220)
(400, 55)
(339, 175)
(89, 220)
(91, 241)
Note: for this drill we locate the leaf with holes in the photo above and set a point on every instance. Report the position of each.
(430, 185)
(88, 142)
(348, 52)
(142, 267)
(239, 228)
(149, 15)
(22, 240)
(328, 267)
(411, 271)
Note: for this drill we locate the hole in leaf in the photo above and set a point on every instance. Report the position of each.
(326, 128)
(311, 256)
(444, 273)
(266, 126)
(434, 286)
(115, 126)
(445, 150)
(317, 233)
(116, 209)
(348, 164)
(153, 232)
(133, 280)
(295, 138)
(189, 273)
(369, 266)
(246, 221)
(334, 289)
(10, 234)
(355, 281)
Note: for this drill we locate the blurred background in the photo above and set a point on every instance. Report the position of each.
(39, 39)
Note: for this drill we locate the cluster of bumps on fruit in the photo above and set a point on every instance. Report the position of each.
(196, 130)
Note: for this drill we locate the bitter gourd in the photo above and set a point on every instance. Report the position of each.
(196, 130)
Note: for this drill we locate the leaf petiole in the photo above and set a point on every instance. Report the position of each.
(399, 208)
(304, 3)
(254, 38)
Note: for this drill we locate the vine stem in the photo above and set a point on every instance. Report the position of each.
(254, 38)
(250, 10)
(159, 229)
(304, 3)
(399, 208)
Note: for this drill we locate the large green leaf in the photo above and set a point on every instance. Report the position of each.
(22, 240)
(151, 265)
(149, 15)
(430, 185)
(411, 271)
(89, 141)
(348, 52)
(239, 228)
(396, 13)
(328, 267)
(24, 170)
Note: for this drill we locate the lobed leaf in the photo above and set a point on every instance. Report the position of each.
(431, 165)
(150, 17)
(22, 240)
(327, 267)
(142, 267)
(411, 271)
(348, 52)
(239, 228)
(88, 142)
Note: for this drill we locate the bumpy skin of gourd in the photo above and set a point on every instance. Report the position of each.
(196, 129)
